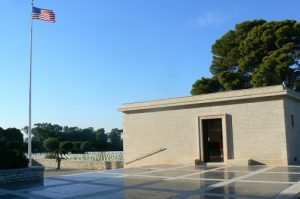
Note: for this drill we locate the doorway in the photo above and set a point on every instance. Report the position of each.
(212, 140)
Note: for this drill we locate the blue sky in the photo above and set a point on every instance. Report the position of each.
(102, 53)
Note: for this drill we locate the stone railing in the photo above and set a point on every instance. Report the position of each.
(78, 164)
(21, 175)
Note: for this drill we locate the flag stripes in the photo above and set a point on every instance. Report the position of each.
(43, 14)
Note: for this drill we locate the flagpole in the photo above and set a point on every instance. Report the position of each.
(30, 78)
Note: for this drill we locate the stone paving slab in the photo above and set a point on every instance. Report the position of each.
(87, 176)
(219, 196)
(218, 175)
(182, 184)
(251, 189)
(135, 194)
(130, 170)
(286, 169)
(54, 172)
(242, 168)
(70, 190)
(127, 181)
(165, 181)
(162, 166)
(280, 177)
(171, 173)
(195, 167)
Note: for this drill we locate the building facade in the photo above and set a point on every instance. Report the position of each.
(259, 125)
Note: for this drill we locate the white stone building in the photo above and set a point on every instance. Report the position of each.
(259, 125)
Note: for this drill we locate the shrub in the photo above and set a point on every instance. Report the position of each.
(12, 150)
(65, 146)
(12, 160)
(51, 145)
(76, 147)
(85, 146)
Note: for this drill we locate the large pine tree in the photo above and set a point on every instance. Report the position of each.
(257, 53)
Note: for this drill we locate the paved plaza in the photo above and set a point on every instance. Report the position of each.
(166, 181)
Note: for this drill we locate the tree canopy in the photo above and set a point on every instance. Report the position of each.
(51, 144)
(115, 139)
(12, 152)
(89, 138)
(256, 53)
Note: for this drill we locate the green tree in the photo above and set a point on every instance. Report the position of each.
(85, 146)
(115, 139)
(13, 139)
(257, 53)
(11, 135)
(206, 85)
(76, 147)
(66, 146)
(52, 145)
(101, 139)
(40, 132)
(37, 146)
(11, 149)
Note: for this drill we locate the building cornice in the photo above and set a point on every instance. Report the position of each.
(253, 93)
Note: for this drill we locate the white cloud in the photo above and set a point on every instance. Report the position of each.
(211, 19)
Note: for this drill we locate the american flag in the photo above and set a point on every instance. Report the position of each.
(43, 14)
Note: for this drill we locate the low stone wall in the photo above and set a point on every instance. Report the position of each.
(21, 175)
(78, 164)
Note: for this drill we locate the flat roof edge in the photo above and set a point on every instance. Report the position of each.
(293, 94)
(252, 93)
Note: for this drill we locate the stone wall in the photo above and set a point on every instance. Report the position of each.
(79, 164)
(292, 112)
(21, 175)
(256, 132)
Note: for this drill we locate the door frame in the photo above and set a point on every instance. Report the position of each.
(224, 135)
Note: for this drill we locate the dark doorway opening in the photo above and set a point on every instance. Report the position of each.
(212, 140)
